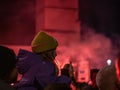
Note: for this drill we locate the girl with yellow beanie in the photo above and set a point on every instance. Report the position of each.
(38, 67)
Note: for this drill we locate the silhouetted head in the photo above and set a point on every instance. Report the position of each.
(7, 64)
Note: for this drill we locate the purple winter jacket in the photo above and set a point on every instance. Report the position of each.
(35, 69)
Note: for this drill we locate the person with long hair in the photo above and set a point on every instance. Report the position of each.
(38, 68)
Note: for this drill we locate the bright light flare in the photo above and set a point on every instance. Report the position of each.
(109, 62)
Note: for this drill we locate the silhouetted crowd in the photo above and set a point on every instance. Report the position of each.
(40, 72)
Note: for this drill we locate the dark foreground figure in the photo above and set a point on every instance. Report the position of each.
(8, 71)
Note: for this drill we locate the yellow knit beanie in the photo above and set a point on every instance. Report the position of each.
(43, 42)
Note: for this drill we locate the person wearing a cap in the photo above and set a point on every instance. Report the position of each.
(37, 67)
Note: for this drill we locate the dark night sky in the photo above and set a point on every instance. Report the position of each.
(103, 16)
